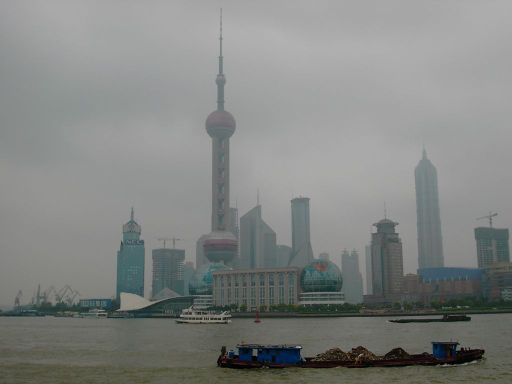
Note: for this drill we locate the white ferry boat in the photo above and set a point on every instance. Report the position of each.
(198, 316)
(95, 313)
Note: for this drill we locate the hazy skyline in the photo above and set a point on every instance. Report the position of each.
(103, 104)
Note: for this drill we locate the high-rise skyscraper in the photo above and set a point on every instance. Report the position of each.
(430, 241)
(352, 279)
(220, 245)
(257, 241)
(188, 273)
(302, 252)
(491, 246)
(283, 253)
(368, 270)
(387, 259)
(168, 270)
(234, 228)
(130, 260)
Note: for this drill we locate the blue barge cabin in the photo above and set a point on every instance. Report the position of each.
(283, 354)
(443, 350)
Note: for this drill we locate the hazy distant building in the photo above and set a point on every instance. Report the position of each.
(368, 270)
(168, 270)
(188, 272)
(497, 282)
(130, 260)
(233, 222)
(302, 252)
(256, 288)
(491, 246)
(449, 283)
(352, 279)
(387, 260)
(257, 241)
(442, 284)
(324, 256)
(220, 245)
(283, 253)
(234, 228)
(430, 242)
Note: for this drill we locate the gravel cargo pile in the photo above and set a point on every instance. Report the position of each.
(332, 354)
(362, 354)
(397, 353)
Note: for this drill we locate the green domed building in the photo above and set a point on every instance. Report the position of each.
(202, 281)
(321, 276)
(321, 283)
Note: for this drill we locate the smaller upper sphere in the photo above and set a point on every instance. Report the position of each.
(221, 79)
(220, 124)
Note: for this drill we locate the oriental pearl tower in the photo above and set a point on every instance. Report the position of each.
(220, 245)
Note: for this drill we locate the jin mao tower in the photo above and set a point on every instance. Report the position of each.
(430, 241)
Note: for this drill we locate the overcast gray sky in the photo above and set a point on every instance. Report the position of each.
(102, 106)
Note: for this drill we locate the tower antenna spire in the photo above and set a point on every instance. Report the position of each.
(220, 43)
(131, 214)
(221, 79)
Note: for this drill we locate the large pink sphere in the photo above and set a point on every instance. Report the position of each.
(220, 124)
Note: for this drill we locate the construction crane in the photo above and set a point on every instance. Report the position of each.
(173, 239)
(489, 217)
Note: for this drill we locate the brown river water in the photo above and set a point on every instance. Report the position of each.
(68, 350)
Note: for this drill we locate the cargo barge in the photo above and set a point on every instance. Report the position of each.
(288, 356)
(444, 319)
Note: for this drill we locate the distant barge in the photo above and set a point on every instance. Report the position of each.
(444, 319)
(288, 356)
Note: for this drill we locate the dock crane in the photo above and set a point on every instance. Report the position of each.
(17, 300)
(66, 295)
(173, 239)
(489, 217)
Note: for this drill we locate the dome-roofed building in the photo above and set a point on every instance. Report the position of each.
(321, 283)
(321, 276)
(201, 282)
